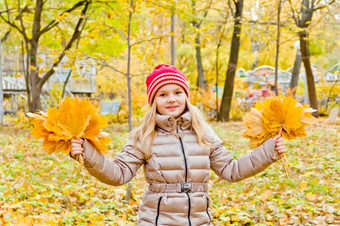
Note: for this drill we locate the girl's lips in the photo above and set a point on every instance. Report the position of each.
(171, 107)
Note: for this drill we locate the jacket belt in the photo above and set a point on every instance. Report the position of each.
(178, 187)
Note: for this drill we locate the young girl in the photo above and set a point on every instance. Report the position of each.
(177, 149)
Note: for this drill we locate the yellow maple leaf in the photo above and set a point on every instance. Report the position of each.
(276, 113)
(256, 131)
(282, 112)
(73, 118)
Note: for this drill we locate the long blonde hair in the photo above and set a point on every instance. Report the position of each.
(145, 134)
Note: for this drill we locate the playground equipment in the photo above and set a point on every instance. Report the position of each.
(261, 79)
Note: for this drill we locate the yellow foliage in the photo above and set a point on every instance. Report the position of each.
(74, 118)
(204, 100)
(272, 115)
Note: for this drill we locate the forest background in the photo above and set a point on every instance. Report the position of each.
(207, 40)
(126, 39)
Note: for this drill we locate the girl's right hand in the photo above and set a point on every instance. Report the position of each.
(77, 147)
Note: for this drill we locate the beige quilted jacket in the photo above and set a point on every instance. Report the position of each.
(177, 172)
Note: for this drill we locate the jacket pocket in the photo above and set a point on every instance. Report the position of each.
(158, 208)
(207, 210)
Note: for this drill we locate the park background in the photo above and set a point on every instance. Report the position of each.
(103, 50)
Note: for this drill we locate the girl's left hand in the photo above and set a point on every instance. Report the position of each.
(280, 146)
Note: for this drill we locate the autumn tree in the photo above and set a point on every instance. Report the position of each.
(303, 18)
(232, 65)
(196, 23)
(33, 24)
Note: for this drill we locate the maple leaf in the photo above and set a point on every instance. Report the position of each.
(268, 117)
(256, 131)
(74, 118)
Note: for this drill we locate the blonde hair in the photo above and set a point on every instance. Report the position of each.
(146, 132)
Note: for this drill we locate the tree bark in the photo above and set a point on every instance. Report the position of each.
(201, 81)
(277, 48)
(295, 73)
(232, 65)
(304, 45)
(173, 50)
(128, 69)
(35, 104)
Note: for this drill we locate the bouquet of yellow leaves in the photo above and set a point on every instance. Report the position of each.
(74, 118)
(276, 114)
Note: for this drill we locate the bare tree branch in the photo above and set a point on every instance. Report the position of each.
(8, 21)
(297, 20)
(22, 23)
(266, 23)
(287, 40)
(205, 13)
(54, 22)
(24, 10)
(104, 63)
(118, 31)
(231, 8)
(11, 24)
(133, 76)
(324, 6)
(136, 43)
(9, 18)
(3, 39)
(74, 37)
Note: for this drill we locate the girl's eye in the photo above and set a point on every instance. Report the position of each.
(162, 95)
(178, 92)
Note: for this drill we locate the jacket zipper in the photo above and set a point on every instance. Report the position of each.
(189, 209)
(158, 207)
(208, 209)
(186, 178)
(185, 160)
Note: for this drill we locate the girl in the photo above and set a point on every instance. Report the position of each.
(177, 149)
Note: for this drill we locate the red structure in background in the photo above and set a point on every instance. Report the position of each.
(259, 93)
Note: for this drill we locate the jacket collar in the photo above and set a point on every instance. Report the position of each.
(168, 123)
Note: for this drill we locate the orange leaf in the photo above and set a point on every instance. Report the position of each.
(266, 119)
(73, 118)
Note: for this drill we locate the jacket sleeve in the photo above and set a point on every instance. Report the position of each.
(114, 172)
(228, 168)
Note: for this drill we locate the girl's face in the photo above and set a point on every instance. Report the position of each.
(170, 100)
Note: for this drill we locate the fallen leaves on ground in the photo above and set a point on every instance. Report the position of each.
(37, 188)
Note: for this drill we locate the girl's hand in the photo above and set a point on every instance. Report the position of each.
(280, 146)
(77, 147)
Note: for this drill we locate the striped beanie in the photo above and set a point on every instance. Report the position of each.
(162, 75)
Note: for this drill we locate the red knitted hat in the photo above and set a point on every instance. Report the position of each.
(162, 75)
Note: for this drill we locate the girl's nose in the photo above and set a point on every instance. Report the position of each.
(171, 98)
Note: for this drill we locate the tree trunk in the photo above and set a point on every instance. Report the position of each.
(277, 48)
(35, 105)
(128, 69)
(36, 102)
(305, 55)
(232, 65)
(201, 81)
(173, 57)
(295, 73)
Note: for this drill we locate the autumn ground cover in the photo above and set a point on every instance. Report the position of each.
(52, 189)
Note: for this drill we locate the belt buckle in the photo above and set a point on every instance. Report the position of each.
(186, 187)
